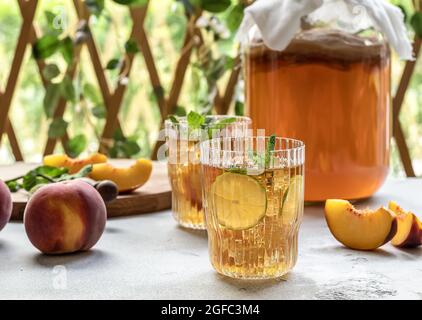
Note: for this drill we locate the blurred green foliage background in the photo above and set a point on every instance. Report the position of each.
(140, 117)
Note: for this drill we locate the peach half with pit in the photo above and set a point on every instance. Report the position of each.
(65, 217)
(359, 229)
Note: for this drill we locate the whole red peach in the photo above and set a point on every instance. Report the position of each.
(65, 217)
(5, 205)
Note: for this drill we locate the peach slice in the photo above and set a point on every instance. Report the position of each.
(74, 165)
(126, 179)
(359, 229)
(409, 228)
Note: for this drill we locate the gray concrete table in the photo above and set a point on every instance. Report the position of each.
(149, 257)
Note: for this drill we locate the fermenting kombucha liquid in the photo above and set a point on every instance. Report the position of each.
(331, 90)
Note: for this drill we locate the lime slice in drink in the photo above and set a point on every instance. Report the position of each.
(240, 202)
(290, 200)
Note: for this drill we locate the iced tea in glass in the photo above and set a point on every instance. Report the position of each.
(184, 168)
(253, 193)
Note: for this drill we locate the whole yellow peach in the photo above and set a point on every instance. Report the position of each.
(65, 217)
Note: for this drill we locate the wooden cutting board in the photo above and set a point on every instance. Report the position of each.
(154, 196)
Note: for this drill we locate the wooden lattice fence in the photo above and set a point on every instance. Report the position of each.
(113, 94)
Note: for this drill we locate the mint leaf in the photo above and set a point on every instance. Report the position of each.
(270, 148)
(220, 125)
(239, 108)
(173, 119)
(237, 170)
(180, 111)
(195, 120)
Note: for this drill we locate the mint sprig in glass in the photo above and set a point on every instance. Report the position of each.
(183, 135)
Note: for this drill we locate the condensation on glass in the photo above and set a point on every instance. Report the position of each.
(253, 201)
(184, 169)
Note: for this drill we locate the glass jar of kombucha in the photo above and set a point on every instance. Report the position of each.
(330, 89)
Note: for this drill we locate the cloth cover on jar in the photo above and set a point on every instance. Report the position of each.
(277, 21)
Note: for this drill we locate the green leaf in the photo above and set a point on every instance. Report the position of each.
(29, 180)
(239, 108)
(50, 16)
(99, 111)
(131, 46)
(51, 71)
(113, 64)
(237, 170)
(130, 148)
(229, 63)
(219, 125)
(91, 93)
(224, 122)
(57, 128)
(51, 98)
(52, 26)
(132, 2)
(77, 145)
(37, 187)
(215, 6)
(216, 69)
(416, 22)
(46, 46)
(13, 185)
(235, 17)
(33, 178)
(66, 49)
(195, 120)
(403, 10)
(270, 148)
(173, 119)
(191, 5)
(118, 135)
(67, 89)
(159, 92)
(52, 172)
(95, 6)
(180, 111)
(85, 171)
